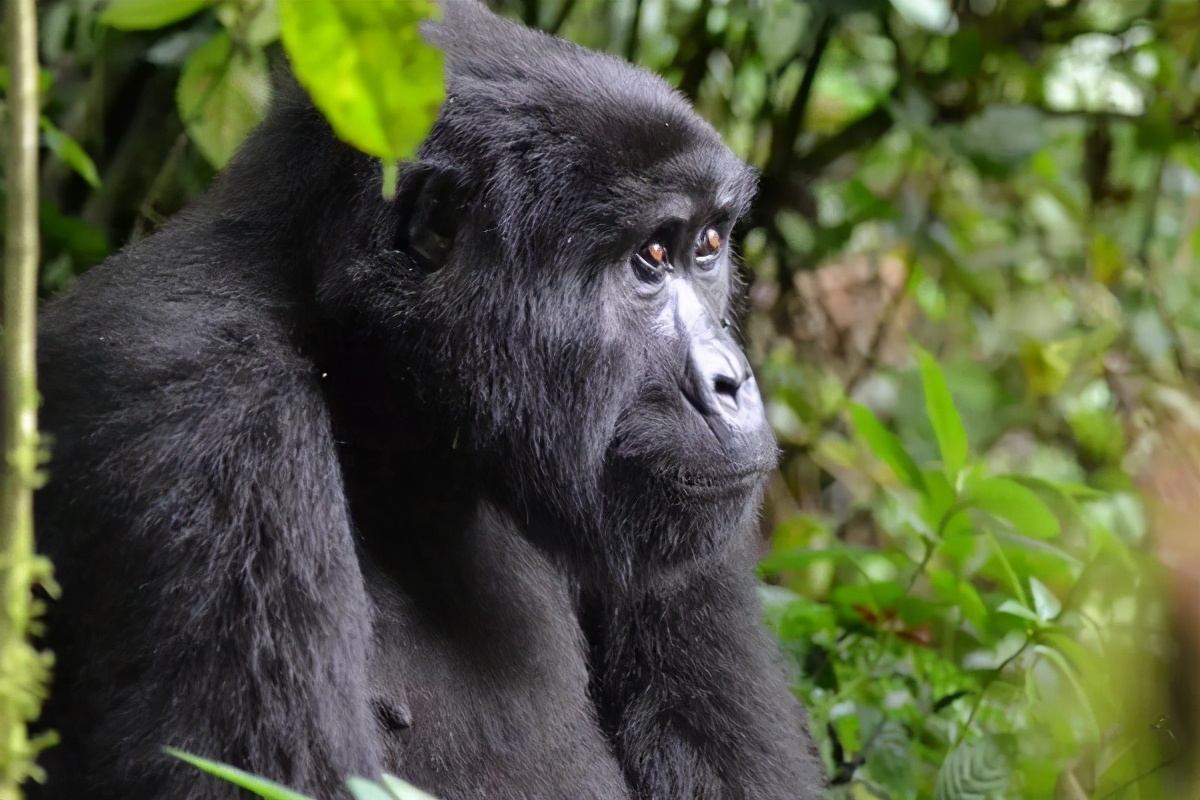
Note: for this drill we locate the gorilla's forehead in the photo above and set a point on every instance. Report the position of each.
(533, 116)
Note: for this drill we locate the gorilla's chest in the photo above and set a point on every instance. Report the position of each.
(478, 676)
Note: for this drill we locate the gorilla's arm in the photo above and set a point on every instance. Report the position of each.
(196, 517)
(692, 691)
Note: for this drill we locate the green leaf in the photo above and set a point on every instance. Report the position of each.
(391, 175)
(259, 786)
(1015, 609)
(144, 15)
(363, 789)
(69, 151)
(222, 95)
(367, 69)
(389, 788)
(975, 771)
(886, 447)
(252, 23)
(1045, 603)
(799, 559)
(947, 424)
(1018, 505)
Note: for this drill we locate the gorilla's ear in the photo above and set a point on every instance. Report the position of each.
(428, 202)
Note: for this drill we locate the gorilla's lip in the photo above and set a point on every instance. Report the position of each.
(719, 480)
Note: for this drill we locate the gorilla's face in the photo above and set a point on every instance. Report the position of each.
(691, 443)
(576, 234)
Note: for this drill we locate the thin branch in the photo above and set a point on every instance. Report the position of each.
(862, 131)
(564, 11)
(694, 61)
(783, 138)
(631, 43)
(529, 13)
(23, 672)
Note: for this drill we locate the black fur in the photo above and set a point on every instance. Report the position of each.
(437, 486)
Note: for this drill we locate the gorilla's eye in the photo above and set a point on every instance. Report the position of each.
(708, 244)
(651, 262)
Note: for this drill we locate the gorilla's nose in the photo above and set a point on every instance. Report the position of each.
(723, 385)
(724, 371)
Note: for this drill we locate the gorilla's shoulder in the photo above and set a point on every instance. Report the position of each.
(179, 325)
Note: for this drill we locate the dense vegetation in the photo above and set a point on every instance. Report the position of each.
(972, 303)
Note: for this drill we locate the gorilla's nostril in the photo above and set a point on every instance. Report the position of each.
(725, 389)
(725, 386)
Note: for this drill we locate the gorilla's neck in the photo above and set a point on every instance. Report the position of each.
(430, 540)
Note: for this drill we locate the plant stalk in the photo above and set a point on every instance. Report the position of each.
(23, 671)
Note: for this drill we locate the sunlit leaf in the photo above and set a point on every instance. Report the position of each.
(363, 789)
(367, 69)
(1014, 608)
(259, 786)
(141, 15)
(1045, 603)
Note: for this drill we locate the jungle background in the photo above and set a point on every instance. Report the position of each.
(973, 305)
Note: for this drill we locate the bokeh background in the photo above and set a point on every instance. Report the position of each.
(972, 303)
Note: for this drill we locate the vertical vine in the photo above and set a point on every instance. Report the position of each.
(23, 670)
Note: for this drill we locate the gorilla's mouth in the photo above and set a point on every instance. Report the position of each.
(722, 481)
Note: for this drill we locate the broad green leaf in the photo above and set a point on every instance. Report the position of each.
(947, 424)
(222, 95)
(367, 69)
(143, 15)
(886, 447)
(975, 771)
(1018, 505)
(69, 151)
(259, 786)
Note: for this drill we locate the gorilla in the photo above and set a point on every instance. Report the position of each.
(460, 486)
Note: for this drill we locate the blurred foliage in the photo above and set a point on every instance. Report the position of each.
(959, 561)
